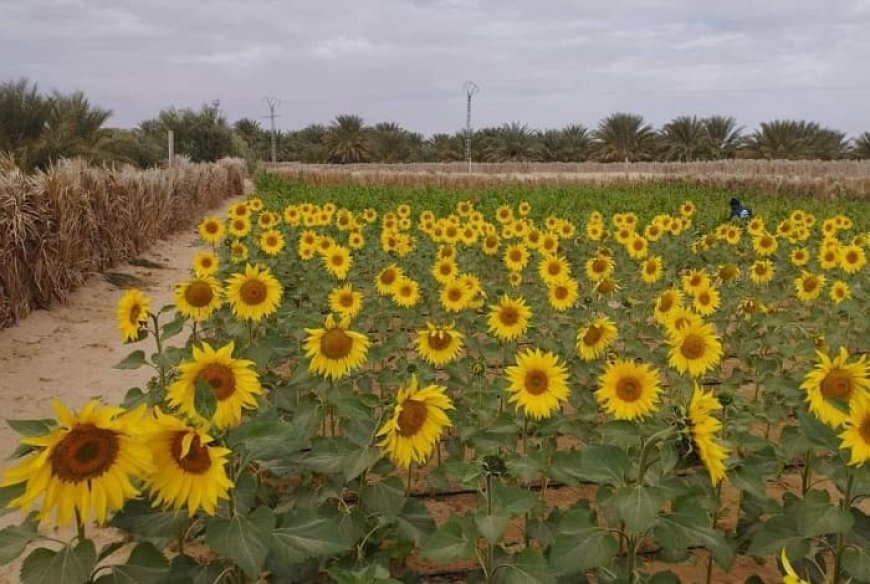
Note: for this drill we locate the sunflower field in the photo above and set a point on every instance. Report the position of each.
(603, 384)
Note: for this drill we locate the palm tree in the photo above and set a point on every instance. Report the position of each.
(511, 142)
(624, 137)
(796, 140)
(725, 136)
(685, 139)
(306, 145)
(570, 144)
(390, 143)
(861, 146)
(347, 140)
(448, 147)
(257, 139)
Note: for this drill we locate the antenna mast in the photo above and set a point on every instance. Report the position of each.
(272, 103)
(470, 89)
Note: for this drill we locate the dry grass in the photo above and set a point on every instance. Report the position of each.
(59, 226)
(816, 179)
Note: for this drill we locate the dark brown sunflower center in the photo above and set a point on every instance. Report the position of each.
(211, 227)
(516, 255)
(536, 382)
(253, 292)
(508, 316)
(135, 311)
(864, 430)
(196, 461)
(693, 347)
(346, 300)
(606, 286)
(454, 294)
(593, 335)
(704, 298)
(761, 269)
(198, 294)
(554, 268)
(666, 303)
(446, 269)
(651, 268)
(851, 257)
(837, 384)
(638, 245)
(412, 417)
(271, 241)
(810, 284)
(336, 344)
(406, 291)
(599, 266)
(337, 261)
(388, 277)
(205, 262)
(629, 389)
(85, 453)
(220, 378)
(695, 281)
(766, 242)
(561, 292)
(440, 340)
(239, 225)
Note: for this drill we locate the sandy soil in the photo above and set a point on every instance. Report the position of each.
(67, 352)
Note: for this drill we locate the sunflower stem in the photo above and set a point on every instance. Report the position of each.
(193, 333)
(161, 367)
(525, 433)
(715, 520)
(845, 504)
(807, 473)
(632, 559)
(410, 472)
(490, 549)
(80, 526)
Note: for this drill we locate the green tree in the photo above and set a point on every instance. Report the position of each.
(306, 145)
(623, 137)
(861, 146)
(449, 147)
(510, 143)
(685, 139)
(724, 135)
(390, 143)
(570, 144)
(202, 136)
(257, 139)
(347, 140)
(796, 140)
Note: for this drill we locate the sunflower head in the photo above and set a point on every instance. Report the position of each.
(695, 349)
(538, 383)
(629, 390)
(335, 350)
(198, 298)
(509, 319)
(834, 385)
(254, 294)
(439, 345)
(594, 338)
(132, 314)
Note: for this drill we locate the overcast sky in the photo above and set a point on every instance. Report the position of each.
(547, 63)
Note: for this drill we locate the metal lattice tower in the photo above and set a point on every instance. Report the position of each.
(272, 103)
(470, 89)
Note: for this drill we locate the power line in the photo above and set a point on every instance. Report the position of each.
(272, 103)
(470, 89)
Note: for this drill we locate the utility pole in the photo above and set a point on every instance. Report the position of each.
(171, 140)
(272, 103)
(470, 89)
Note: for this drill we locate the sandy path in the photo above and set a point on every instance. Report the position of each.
(67, 352)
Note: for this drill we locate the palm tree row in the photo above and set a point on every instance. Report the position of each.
(37, 128)
(621, 137)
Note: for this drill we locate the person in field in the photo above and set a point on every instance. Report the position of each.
(739, 211)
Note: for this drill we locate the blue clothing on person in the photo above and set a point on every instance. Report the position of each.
(739, 211)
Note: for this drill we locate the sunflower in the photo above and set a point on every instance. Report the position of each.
(205, 263)
(538, 383)
(338, 261)
(198, 298)
(439, 345)
(704, 427)
(728, 273)
(856, 430)
(799, 256)
(563, 295)
(706, 301)
(254, 294)
(695, 281)
(386, 280)
(509, 319)
(836, 381)
(606, 287)
(839, 291)
(829, 257)
(679, 318)
(418, 420)
(808, 286)
(234, 383)
(189, 471)
(516, 257)
(637, 247)
(455, 296)
(238, 252)
(791, 576)
(271, 242)
(594, 338)
(599, 268)
(665, 302)
(628, 390)
(761, 272)
(407, 293)
(211, 230)
(334, 350)
(852, 258)
(749, 306)
(695, 349)
(85, 466)
(445, 269)
(345, 301)
(553, 270)
(239, 226)
(651, 269)
(764, 244)
(132, 314)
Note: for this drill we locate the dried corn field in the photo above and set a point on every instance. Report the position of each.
(812, 179)
(59, 226)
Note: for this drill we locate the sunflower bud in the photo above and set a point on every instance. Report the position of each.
(494, 466)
